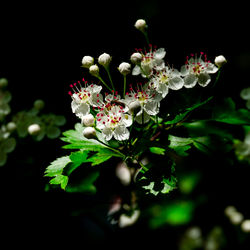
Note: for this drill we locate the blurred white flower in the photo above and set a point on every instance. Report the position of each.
(141, 25)
(245, 226)
(220, 61)
(123, 173)
(126, 220)
(34, 129)
(89, 133)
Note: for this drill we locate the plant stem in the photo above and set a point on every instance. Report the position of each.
(110, 79)
(124, 85)
(145, 33)
(104, 83)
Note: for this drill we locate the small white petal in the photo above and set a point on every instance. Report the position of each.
(145, 118)
(204, 79)
(184, 70)
(211, 68)
(127, 120)
(152, 108)
(159, 54)
(162, 89)
(136, 70)
(245, 94)
(107, 133)
(121, 133)
(176, 83)
(190, 81)
(82, 110)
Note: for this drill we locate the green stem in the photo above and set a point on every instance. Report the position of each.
(124, 85)
(110, 79)
(104, 83)
(145, 33)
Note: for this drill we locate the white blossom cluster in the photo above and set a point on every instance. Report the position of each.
(113, 114)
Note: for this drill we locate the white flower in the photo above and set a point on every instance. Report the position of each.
(34, 129)
(104, 59)
(220, 61)
(88, 120)
(140, 24)
(196, 70)
(113, 122)
(11, 126)
(148, 101)
(89, 133)
(94, 70)
(136, 57)
(151, 60)
(3, 82)
(167, 79)
(87, 61)
(124, 68)
(84, 97)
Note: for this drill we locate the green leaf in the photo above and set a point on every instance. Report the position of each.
(60, 180)
(181, 116)
(157, 150)
(176, 141)
(85, 185)
(56, 167)
(175, 213)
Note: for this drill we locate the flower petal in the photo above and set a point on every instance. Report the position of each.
(127, 120)
(139, 118)
(204, 79)
(190, 81)
(82, 110)
(136, 70)
(211, 68)
(176, 83)
(162, 88)
(107, 133)
(121, 133)
(159, 54)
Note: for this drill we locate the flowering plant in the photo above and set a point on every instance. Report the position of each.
(145, 128)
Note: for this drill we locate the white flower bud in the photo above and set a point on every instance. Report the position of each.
(134, 107)
(141, 24)
(245, 226)
(39, 104)
(220, 61)
(11, 126)
(124, 68)
(136, 58)
(87, 61)
(104, 59)
(89, 133)
(94, 70)
(34, 129)
(88, 120)
(123, 173)
(3, 82)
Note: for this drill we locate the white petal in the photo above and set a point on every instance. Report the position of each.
(204, 79)
(159, 54)
(107, 133)
(162, 89)
(96, 99)
(190, 81)
(184, 70)
(139, 116)
(127, 120)
(176, 83)
(211, 68)
(74, 106)
(82, 110)
(121, 133)
(152, 108)
(136, 70)
(245, 94)
(93, 88)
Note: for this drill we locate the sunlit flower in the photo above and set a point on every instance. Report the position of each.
(149, 61)
(84, 97)
(196, 70)
(113, 121)
(166, 79)
(87, 61)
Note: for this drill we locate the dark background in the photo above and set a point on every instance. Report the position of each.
(41, 48)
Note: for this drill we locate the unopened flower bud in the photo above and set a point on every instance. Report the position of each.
(134, 107)
(11, 126)
(88, 120)
(39, 104)
(89, 133)
(104, 59)
(3, 82)
(94, 70)
(141, 24)
(220, 61)
(124, 68)
(34, 129)
(87, 61)
(123, 173)
(136, 58)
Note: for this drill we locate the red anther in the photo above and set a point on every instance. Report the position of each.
(113, 91)
(91, 85)
(116, 92)
(202, 53)
(103, 122)
(70, 93)
(99, 119)
(97, 95)
(127, 93)
(89, 94)
(192, 54)
(71, 86)
(150, 45)
(115, 97)
(98, 101)
(75, 84)
(83, 80)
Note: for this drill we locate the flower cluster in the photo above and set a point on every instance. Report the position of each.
(114, 113)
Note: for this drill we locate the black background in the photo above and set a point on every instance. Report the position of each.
(41, 47)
